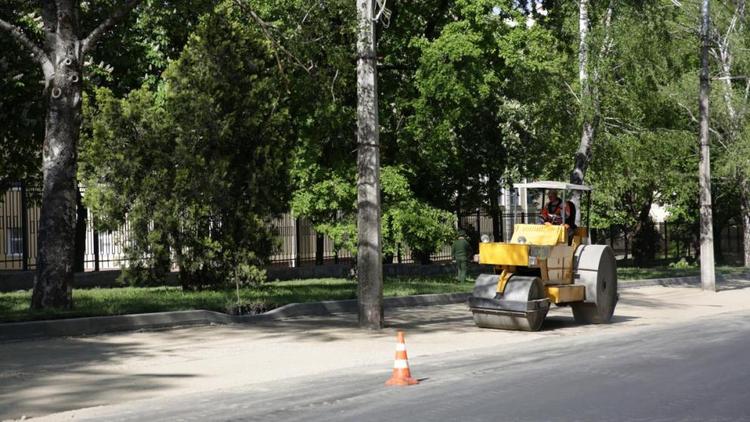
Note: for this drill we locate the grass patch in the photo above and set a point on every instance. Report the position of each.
(133, 300)
(634, 273)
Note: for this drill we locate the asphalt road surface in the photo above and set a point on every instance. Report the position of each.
(697, 371)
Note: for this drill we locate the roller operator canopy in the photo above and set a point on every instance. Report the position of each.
(552, 185)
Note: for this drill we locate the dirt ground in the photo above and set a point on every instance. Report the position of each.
(55, 375)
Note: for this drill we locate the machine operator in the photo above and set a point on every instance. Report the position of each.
(552, 213)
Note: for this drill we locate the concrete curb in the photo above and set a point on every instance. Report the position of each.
(16, 331)
(666, 282)
(694, 280)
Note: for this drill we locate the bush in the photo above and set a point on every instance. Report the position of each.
(198, 165)
(423, 228)
(682, 264)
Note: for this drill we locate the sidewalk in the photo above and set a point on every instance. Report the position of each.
(55, 375)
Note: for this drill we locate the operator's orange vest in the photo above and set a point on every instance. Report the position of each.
(552, 208)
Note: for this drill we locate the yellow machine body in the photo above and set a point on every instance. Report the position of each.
(539, 234)
(538, 246)
(564, 293)
(504, 254)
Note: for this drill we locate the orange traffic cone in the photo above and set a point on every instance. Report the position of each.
(401, 374)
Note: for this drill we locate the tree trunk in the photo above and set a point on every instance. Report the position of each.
(725, 56)
(53, 283)
(745, 211)
(590, 107)
(369, 251)
(645, 245)
(708, 280)
(626, 242)
(589, 119)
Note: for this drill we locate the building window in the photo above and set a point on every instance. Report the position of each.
(14, 242)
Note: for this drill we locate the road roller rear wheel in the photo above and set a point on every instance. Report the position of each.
(597, 269)
(589, 313)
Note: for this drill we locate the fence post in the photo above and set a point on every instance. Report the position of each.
(666, 242)
(296, 242)
(479, 223)
(24, 227)
(319, 246)
(95, 233)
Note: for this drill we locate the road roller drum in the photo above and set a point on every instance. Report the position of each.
(522, 305)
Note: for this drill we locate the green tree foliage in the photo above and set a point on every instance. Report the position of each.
(331, 207)
(199, 165)
(21, 103)
(197, 145)
(137, 53)
(479, 86)
(643, 157)
(324, 105)
(21, 118)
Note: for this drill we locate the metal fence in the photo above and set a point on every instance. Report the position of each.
(19, 226)
(301, 245)
(677, 240)
(19, 222)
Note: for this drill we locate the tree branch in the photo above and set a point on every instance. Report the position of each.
(265, 27)
(114, 18)
(36, 52)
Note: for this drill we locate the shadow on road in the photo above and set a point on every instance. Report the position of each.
(42, 377)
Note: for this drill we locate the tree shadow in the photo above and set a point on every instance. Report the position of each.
(42, 377)
(561, 322)
(730, 283)
(452, 319)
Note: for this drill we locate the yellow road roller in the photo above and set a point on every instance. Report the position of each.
(546, 263)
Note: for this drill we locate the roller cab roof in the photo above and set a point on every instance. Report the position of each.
(552, 185)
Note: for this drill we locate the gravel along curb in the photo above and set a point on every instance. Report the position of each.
(15, 331)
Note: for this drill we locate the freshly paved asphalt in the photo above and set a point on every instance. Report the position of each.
(697, 371)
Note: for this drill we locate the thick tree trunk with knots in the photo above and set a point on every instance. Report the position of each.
(745, 211)
(57, 220)
(61, 60)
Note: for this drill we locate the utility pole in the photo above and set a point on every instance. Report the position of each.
(708, 276)
(369, 251)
